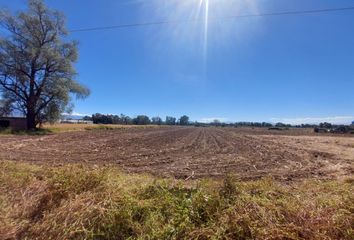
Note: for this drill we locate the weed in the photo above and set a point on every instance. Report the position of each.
(78, 202)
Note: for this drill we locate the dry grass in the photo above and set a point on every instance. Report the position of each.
(77, 202)
(66, 127)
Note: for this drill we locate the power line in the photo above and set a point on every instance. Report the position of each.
(212, 19)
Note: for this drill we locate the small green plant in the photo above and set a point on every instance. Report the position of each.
(229, 189)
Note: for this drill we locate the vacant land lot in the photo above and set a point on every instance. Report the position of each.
(70, 185)
(188, 152)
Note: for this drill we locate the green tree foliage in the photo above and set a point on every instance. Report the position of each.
(279, 124)
(87, 118)
(141, 120)
(111, 119)
(36, 64)
(170, 120)
(156, 120)
(326, 125)
(216, 122)
(253, 124)
(184, 120)
(126, 119)
(102, 119)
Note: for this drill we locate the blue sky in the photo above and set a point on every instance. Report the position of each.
(294, 69)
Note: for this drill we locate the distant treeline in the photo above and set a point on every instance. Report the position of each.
(139, 120)
(184, 121)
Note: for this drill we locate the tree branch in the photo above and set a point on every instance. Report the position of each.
(12, 88)
(44, 104)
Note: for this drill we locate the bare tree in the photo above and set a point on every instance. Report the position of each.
(36, 64)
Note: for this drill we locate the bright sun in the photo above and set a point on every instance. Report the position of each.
(209, 29)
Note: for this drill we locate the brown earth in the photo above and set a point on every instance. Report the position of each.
(189, 152)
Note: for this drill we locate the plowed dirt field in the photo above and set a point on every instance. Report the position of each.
(189, 152)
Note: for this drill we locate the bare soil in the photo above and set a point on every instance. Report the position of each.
(190, 152)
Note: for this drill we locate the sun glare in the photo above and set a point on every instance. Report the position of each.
(200, 24)
(206, 21)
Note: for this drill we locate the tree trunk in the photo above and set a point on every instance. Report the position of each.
(31, 120)
(31, 109)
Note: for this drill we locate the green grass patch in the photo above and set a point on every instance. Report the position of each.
(80, 202)
(100, 127)
(38, 131)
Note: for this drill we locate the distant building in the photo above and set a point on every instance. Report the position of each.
(15, 123)
(353, 123)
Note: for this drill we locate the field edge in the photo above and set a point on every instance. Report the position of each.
(81, 202)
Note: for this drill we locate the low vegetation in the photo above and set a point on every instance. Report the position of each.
(80, 202)
(56, 128)
(59, 128)
(38, 131)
